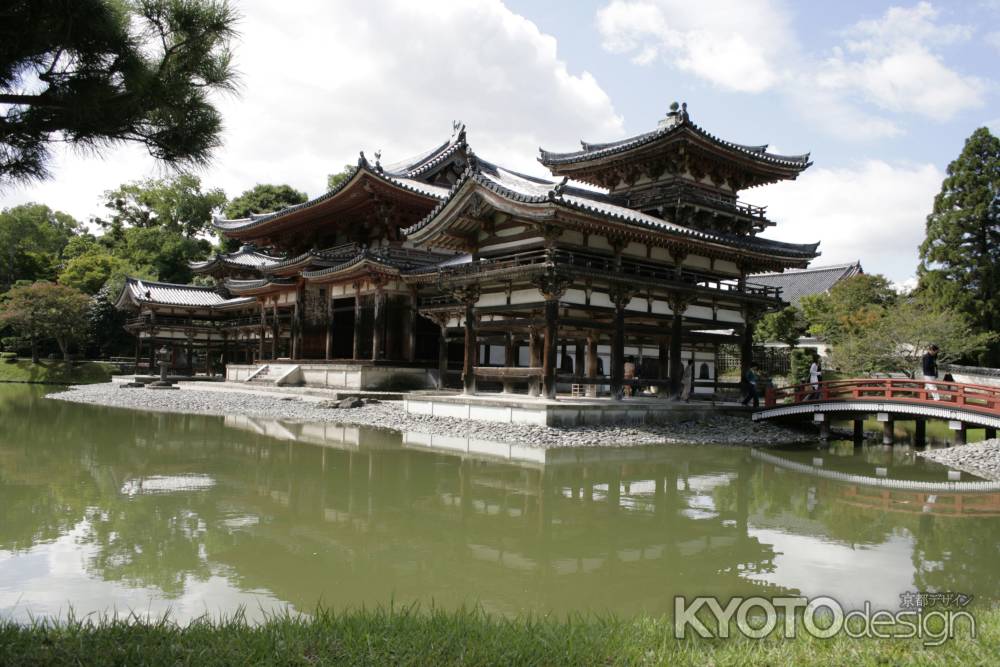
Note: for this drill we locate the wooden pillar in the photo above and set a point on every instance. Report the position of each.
(592, 364)
(328, 348)
(746, 344)
(262, 333)
(410, 329)
(888, 432)
(443, 354)
(138, 350)
(509, 359)
(550, 353)
(189, 354)
(356, 348)
(859, 431)
(535, 355)
(618, 352)
(378, 327)
(208, 356)
(663, 358)
(676, 340)
(275, 330)
(958, 429)
(471, 349)
(991, 433)
(920, 433)
(578, 357)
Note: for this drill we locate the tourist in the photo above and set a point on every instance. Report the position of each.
(815, 376)
(750, 381)
(629, 376)
(687, 384)
(930, 370)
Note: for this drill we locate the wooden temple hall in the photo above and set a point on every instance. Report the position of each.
(637, 260)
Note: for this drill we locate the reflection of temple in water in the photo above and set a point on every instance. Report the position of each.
(567, 531)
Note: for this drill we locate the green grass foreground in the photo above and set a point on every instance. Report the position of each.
(56, 372)
(412, 637)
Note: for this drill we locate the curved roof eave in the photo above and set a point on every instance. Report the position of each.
(363, 169)
(593, 151)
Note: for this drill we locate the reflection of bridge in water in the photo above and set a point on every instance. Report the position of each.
(890, 399)
(953, 498)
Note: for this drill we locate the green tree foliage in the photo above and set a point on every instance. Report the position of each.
(101, 72)
(32, 238)
(960, 256)
(896, 341)
(176, 204)
(160, 253)
(90, 272)
(333, 180)
(45, 310)
(106, 335)
(849, 308)
(784, 326)
(264, 198)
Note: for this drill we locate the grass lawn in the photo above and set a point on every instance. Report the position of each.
(411, 637)
(55, 372)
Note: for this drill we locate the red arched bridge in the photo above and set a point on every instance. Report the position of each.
(890, 399)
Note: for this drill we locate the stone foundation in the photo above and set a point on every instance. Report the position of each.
(345, 376)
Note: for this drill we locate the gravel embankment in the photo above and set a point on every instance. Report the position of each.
(721, 429)
(980, 458)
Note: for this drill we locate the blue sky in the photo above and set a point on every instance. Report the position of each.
(882, 94)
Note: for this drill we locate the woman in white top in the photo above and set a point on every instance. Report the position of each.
(815, 376)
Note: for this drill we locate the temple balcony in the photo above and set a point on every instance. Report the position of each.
(680, 196)
(585, 265)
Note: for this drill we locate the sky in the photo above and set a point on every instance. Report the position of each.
(882, 95)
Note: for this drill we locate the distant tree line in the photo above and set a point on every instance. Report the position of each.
(956, 304)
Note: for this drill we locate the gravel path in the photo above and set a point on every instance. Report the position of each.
(981, 458)
(721, 429)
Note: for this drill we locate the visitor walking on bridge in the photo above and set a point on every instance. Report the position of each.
(930, 371)
(815, 376)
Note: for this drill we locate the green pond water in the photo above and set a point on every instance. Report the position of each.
(104, 509)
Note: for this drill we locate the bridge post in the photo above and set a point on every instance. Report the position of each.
(920, 433)
(824, 425)
(958, 428)
(991, 433)
(888, 428)
(859, 431)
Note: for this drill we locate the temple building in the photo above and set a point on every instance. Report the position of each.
(450, 269)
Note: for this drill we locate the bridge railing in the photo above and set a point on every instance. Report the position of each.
(980, 398)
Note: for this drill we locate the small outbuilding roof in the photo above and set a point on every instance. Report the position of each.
(797, 283)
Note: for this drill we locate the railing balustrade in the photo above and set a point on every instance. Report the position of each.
(978, 398)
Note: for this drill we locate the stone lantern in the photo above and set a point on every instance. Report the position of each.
(163, 359)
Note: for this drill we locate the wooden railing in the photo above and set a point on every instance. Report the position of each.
(937, 393)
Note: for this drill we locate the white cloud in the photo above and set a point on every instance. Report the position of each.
(344, 76)
(993, 39)
(873, 211)
(737, 45)
(890, 63)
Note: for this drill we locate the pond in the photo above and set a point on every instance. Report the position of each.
(104, 509)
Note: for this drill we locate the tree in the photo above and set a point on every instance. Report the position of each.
(896, 341)
(45, 310)
(850, 307)
(960, 254)
(89, 272)
(784, 326)
(264, 198)
(161, 253)
(100, 72)
(177, 204)
(333, 180)
(32, 237)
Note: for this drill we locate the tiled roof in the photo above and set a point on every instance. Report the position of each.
(395, 259)
(171, 294)
(675, 123)
(797, 283)
(246, 257)
(528, 189)
(404, 175)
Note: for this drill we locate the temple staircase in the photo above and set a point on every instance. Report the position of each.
(275, 375)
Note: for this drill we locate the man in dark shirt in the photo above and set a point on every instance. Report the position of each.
(930, 371)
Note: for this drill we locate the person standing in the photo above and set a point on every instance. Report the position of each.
(815, 376)
(930, 370)
(750, 380)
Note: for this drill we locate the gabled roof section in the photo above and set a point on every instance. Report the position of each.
(139, 292)
(548, 198)
(389, 260)
(676, 125)
(245, 258)
(409, 175)
(797, 283)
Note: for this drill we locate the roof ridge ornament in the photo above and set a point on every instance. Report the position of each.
(557, 191)
(378, 160)
(362, 160)
(457, 132)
